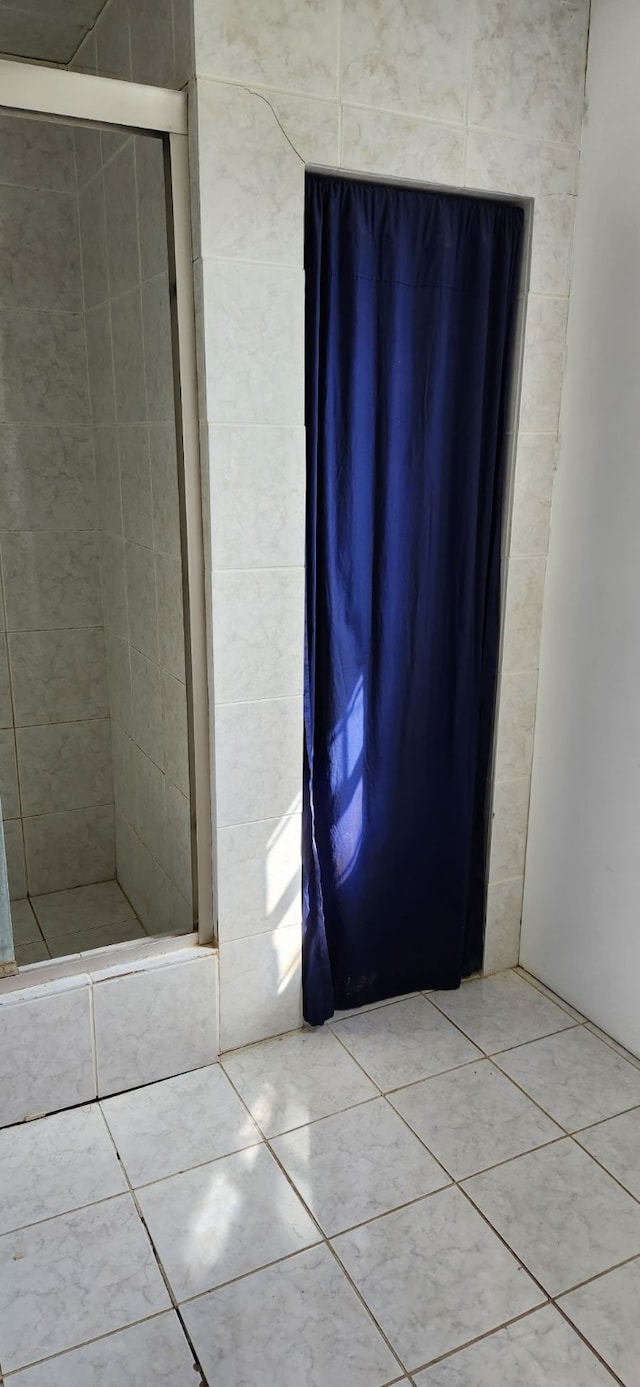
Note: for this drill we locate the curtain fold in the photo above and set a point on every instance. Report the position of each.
(410, 313)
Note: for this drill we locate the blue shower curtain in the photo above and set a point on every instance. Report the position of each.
(410, 308)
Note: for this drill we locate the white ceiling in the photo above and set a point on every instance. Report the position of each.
(46, 30)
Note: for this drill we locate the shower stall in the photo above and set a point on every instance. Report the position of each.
(104, 742)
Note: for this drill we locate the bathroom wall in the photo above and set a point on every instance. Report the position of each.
(126, 299)
(580, 927)
(55, 759)
(481, 95)
(148, 41)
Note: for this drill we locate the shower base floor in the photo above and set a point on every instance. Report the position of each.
(70, 922)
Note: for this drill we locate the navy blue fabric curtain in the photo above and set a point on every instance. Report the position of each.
(410, 309)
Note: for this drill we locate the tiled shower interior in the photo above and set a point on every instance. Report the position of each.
(94, 775)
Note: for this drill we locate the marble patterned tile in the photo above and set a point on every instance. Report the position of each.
(355, 1165)
(295, 1079)
(118, 664)
(154, 1353)
(502, 926)
(559, 1187)
(36, 154)
(312, 126)
(383, 48)
(44, 373)
(258, 632)
(575, 1077)
(259, 759)
(265, 1328)
(434, 1276)
(516, 720)
(164, 489)
(527, 72)
(93, 242)
(46, 1061)
(9, 775)
(141, 599)
(258, 481)
(168, 573)
(175, 744)
(535, 469)
(523, 614)
(292, 49)
(38, 35)
(509, 828)
(152, 230)
(534, 1351)
(151, 24)
(183, 43)
(113, 52)
(65, 765)
(128, 358)
(88, 150)
(150, 805)
(472, 1118)
(500, 1012)
(254, 343)
(51, 579)
(120, 200)
(251, 179)
(25, 926)
(177, 855)
(14, 849)
(559, 1001)
(182, 1122)
(261, 988)
(97, 324)
(404, 1042)
(87, 941)
(223, 1220)
(259, 877)
(155, 1022)
(543, 367)
(606, 1313)
(158, 352)
(616, 1145)
(39, 250)
(402, 146)
(613, 1044)
(146, 706)
(6, 710)
(135, 482)
(69, 848)
(64, 912)
(50, 1167)
(108, 497)
(74, 1278)
(46, 480)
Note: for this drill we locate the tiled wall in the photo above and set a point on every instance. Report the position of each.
(126, 299)
(466, 93)
(55, 758)
(148, 41)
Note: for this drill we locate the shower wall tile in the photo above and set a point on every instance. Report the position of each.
(312, 126)
(150, 801)
(58, 675)
(118, 664)
(107, 468)
(128, 359)
(152, 228)
(510, 811)
(158, 361)
(536, 460)
(141, 597)
(135, 482)
(528, 76)
(177, 847)
(9, 793)
(170, 604)
(51, 580)
(258, 627)
(298, 48)
(114, 584)
(44, 378)
(523, 614)
(14, 848)
(65, 766)
(39, 250)
(36, 154)
(101, 382)
(46, 477)
(258, 760)
(121, 221)
(6, 711)
(164, 488)
(113, 49)
(175, 751)
(376, 141)
(254, 343)
(47, 1059)
(516, 719)
(260, 875)
(152, 42)
(504, 912)
(93, 242)
(183, 47)
(146, 702)
(543, 364)
(257, 494)
(383, 49)
(69, 849)
(124, 775)
(85, 59)
(88, 153)
(260, 986)
(251, 180)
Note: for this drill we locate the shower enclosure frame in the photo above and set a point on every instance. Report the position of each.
(55, 94)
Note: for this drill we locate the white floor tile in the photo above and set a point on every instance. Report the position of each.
(501, 1011)
(538, 1351)
(547, 992)
(473, 1117)
(575, 1077)
(613, 1044)
(73, 1278)
(296, 1078)
(606, 1312)
(81, 907)
(55, 1165)
(616, 1145)
(178, 1123)
(564, 1217)
(297, 1323)
(404, 1042)
(152, 1354)
(434, 1276)
(357, 1164)
(224, 1220)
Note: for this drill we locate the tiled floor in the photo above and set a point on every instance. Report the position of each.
(443, 1191)
(71, 922)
